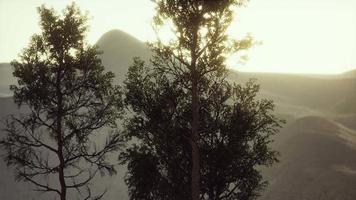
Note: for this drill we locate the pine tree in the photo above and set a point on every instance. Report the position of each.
(235, 129)
(70, 101)
(197, 136)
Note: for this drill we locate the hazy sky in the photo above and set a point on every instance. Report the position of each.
(299, 36)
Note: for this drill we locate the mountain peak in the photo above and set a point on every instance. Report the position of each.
(119, 48)
(118, 36)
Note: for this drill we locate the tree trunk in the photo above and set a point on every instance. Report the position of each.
(63, 190)
(195, 176)
(61, 177)
(194, 137)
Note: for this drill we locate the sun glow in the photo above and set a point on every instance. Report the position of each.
(299, 36)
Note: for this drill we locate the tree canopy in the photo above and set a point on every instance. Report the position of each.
(63, 140)
(198, 136)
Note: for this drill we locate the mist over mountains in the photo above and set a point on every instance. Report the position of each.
(317, 145)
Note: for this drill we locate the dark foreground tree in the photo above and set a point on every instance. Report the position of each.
(235, 133)
(198, 136)
(59, 144)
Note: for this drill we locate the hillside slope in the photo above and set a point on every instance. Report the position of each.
(349, 74)
(318, 93)
(6, 79)
(318, 162)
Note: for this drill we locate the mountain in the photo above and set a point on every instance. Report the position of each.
(119, 48)
(317, 145)
(294, 94)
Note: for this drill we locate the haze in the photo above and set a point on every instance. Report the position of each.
(299, 36)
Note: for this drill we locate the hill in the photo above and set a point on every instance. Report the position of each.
(119, 48)
(318, 162)
(349, 74)
(316, 93)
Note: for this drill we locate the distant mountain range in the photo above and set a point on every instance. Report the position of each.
(318, 143)
(119, 48)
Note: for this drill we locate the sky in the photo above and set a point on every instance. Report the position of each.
(298, 36)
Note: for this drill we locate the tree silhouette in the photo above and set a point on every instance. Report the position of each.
(235, 130)
(199, 137)
(59, 144)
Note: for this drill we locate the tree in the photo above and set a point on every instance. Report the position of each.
(235, 129)
(70, 99)
(199, 137)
